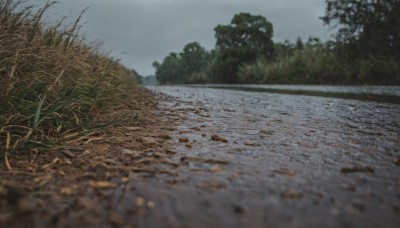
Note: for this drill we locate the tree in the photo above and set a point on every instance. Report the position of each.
(180, 68)
(194, 59)
(246, 39)
(170, 70)
(370, 27)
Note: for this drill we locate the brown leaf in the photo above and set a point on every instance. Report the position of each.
(165, 136)
(129, 152)
(26, 205)
(211, 185)
(140, 201)
(216, 169)
(102, 184)
(68, 153)
(292, 195)
(397, 162)
(250, 143)
(284, 171)
(134, 128)
(183, 140)
(86, 203)
(356, 169)
(116, 219)
(219, 138)
(66, 191)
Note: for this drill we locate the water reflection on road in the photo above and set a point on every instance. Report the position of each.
(295, 161)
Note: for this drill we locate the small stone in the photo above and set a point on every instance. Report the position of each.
(150, 204)
(250, 143)
(219, 138)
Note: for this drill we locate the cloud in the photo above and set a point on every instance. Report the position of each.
(142, 31)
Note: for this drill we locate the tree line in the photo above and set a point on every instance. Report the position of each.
(365, 50)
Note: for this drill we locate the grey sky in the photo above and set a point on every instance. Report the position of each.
(142, 31)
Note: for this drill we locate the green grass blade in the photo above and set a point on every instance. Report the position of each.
(38, 111)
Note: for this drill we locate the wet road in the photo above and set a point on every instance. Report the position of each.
(290, 161)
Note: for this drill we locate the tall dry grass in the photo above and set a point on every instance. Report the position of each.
(51, 81)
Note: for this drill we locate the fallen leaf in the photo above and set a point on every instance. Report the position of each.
(205, 160)
(183, 140)
(102, 184)
(165, 136)
(292, 195)
(211, 185)
(284, 171)
(43, 180)
(188, 145)
(266, 132)
(2, 190)
(140, 201)
(129, 152)
(250, 143)
(86, 203)
(124, 180)
(219, 138)
(68, 153)
(147, 160)
(170, 152)
(116, 219)
(160, 154)
(26, 205)
(148, 141)
(356, 169)
(217, 161)
(216, 169)
(176, 180)
(134, 128)
(66, 191)
(397, 162)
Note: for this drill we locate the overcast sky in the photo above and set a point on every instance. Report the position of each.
(140, 32)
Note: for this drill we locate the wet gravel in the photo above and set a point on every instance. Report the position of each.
(289, 161)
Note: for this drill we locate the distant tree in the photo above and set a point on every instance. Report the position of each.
(283, 50)
(170, 70)
(370, 27)
(194, 59)
(299, 44)
(137, 76)
(244, 40)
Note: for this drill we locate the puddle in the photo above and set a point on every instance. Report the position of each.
(382, 94)
(256, 159)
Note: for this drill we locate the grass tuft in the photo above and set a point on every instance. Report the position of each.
(52, 83)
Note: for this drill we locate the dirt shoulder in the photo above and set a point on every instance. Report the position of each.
(80, 184)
